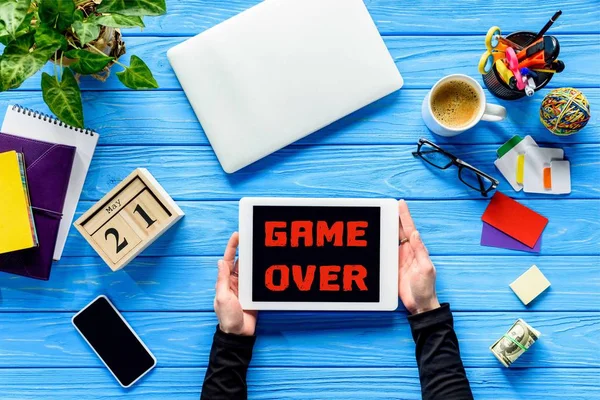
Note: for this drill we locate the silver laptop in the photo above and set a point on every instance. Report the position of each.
(280, 71)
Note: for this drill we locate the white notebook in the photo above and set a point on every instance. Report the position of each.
(282, 70)
(23, 122)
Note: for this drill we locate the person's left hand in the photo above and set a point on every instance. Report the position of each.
(232, 318)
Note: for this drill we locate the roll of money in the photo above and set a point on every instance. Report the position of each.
(519, 338)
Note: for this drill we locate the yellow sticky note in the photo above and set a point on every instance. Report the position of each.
(17, 231)
(520, 168)
(529, 285)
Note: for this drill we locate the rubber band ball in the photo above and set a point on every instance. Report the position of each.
(565, 111)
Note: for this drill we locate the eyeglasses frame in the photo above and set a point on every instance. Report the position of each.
(458, 163)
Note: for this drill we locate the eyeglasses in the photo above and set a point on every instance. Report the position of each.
(469, 175)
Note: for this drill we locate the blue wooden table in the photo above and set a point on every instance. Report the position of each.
(167, 292)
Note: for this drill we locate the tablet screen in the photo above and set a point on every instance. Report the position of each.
(316, 254)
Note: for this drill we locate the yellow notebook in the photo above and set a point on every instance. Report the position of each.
(17, 230)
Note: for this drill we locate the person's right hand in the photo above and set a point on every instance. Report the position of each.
(416, 273)
(232, 318)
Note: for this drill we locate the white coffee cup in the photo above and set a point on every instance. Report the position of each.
(486, 111)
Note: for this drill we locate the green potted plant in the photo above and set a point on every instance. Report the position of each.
(80, 37)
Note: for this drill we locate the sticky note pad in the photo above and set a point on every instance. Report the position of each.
(514, 219)
(508, 156)
(529, 285)
(547, 178)
(536, 159)
(520, 167)
(506, 147)
(560, 172)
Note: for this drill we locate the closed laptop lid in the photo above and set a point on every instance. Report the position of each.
(280, 71)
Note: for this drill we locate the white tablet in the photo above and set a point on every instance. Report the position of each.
(318, 254)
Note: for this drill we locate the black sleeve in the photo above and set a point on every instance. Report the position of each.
(225, 377)
(441, 370)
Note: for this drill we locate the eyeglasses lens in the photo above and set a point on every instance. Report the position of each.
(475, 181)
(434, 156)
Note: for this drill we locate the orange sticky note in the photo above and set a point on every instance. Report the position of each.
(547, 178)
(514, 219)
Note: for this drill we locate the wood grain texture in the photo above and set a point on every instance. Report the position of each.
(321, 171)
(394, 17)
(299, 384)
(422, 60)
(167, 292)
(185, 284)
(165, 118)
(304, 339)
(447, 227)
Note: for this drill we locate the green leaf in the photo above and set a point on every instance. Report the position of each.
(24, 28)
(86, 31)
(21, 45)
(133, 7)
(137, 75)
(49, 39)
(16, 67)
(57, 13)
(63, 98)
(118, 21)
(78, 15)
(12, 14)
(86, 62)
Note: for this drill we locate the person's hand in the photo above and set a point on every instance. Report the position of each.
(232, 318)
(416, 273)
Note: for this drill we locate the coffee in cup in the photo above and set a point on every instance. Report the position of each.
(457, 103)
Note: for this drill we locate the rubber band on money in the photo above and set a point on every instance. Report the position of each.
(515, 342)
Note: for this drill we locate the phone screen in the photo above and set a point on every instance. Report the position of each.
(114, 341)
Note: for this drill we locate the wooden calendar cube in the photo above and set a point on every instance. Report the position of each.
(128, 219)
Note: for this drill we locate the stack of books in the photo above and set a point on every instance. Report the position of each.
(43, 165)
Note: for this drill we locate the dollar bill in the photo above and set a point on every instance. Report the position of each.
(519, 338)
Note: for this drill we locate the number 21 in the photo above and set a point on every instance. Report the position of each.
(113, 232)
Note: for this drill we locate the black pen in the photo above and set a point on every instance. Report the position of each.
(547, 26)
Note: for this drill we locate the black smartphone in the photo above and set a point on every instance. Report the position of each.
(114, 341)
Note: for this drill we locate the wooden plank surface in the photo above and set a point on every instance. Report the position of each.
(167, 293)
(165, 118)
(184, 284)
(317, 171)
(299, 384)
(422, 60)
(395, 17)
(447, 227)
(304, 339)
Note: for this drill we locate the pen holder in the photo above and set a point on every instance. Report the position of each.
(500, 89)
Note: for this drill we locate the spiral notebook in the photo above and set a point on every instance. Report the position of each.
(26, 123)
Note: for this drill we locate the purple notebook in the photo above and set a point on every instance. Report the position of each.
(48, 171)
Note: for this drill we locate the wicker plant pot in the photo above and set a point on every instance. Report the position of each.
(108, 42)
